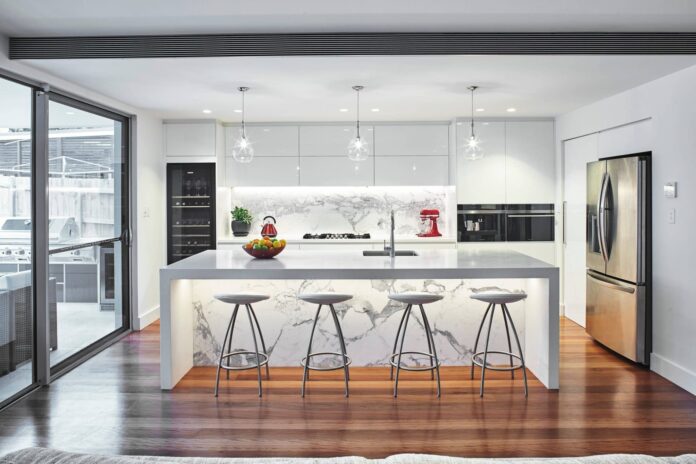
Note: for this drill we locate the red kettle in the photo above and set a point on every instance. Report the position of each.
(269, 229)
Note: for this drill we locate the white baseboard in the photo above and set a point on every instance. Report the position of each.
(143, 320)
(673, 372)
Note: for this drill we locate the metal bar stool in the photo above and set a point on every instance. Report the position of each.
(411, 299)
(242, 299)
(325, 299)
(496, 296)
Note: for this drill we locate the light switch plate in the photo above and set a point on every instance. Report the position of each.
(672, 216)
(670, 190)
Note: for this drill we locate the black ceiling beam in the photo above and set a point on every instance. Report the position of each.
(341, 44)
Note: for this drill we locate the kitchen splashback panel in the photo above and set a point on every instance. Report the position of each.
(300, 210)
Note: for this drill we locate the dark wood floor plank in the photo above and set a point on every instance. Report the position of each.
(112, 404)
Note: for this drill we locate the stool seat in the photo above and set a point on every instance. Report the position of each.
(497, 295)
(324, 298)
(241, 298)
(415, 298)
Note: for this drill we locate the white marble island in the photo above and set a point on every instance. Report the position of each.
(193, 322)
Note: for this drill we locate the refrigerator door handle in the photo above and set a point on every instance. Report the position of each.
(609, 284)
(601, 217)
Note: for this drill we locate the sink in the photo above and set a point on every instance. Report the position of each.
(386, 253)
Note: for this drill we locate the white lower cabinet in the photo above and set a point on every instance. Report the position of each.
(543, 251)
(333, 246)
(412, 170)
(262, 171)
(336, 171)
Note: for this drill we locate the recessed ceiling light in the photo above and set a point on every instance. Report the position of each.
(511, 110)
(69, 113)
(207, 111)
(375, 110)
(343, 110)
(237, 111)
(480, 109)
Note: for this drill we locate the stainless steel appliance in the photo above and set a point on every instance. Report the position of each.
(481, 223)
(618, 254)
(529, 223)
(335, 236)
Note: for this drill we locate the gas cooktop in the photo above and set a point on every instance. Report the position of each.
(335, 236)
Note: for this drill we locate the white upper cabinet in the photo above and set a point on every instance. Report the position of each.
(482, 180)
(264, 171)
(530, 162)
(267, 140)
(411, 170)
(331, 140)
(190, 139)
(336, 171)
(412, 140)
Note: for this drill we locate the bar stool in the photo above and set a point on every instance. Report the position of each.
(411, 299)
(242, 299)
(325, 299)
(496, 296)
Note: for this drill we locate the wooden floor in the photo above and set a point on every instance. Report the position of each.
(112, 404)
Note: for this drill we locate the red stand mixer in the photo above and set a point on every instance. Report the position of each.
(430, 215)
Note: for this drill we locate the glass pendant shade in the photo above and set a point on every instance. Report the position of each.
(357, 149)
(242, 150)
(472, 148)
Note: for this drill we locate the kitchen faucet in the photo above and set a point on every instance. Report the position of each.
(392, 250)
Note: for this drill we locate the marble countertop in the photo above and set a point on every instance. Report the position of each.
(351, 264)
(298, 239)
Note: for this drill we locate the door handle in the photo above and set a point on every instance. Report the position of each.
(612, 285)
(563, 221)
(601, 217)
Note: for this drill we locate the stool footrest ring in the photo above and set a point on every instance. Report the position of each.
(479, 363)
(263, 362)
(326, 353)
(412, 368)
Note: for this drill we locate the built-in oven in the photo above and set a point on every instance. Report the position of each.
(530, 223)
(481, 223)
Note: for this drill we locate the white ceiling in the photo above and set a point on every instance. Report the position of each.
(402, 87)
(104, 17)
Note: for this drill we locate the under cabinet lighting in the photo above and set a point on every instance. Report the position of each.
(375, 110)
(207, 111)
(343, 110)
(511, 110)
(480, 109)
(237, 111)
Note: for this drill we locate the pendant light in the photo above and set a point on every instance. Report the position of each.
(357, 148)
(242, 151)
(472, 146)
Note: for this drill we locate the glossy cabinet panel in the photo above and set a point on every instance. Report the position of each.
(412, 170)
(270, 140)
(530, 161)
(412, 140)
(336, 171)
(262, 171)
(483, 180)
(189, 139)
(330, 140)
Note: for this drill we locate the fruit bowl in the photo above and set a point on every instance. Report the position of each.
(264, 248)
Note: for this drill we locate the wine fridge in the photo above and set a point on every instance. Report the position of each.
(190, 209)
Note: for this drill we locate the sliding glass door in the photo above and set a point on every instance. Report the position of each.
(88, 226)
(17, 314)
(64, 233)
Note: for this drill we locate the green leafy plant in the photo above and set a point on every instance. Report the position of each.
(242, 215)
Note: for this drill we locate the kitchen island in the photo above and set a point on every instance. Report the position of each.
(192, 321)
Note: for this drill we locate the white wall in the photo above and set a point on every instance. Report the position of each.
(149, 216)
(670, 104)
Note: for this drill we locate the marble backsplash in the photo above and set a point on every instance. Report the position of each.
(369, 321)
(300, 210)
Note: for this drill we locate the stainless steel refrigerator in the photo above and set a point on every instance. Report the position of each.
(618, 313)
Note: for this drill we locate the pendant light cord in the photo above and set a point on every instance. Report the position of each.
(357, 118)
(472, 112)
(243, 115)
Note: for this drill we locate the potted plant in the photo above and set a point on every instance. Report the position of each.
(241, 221)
